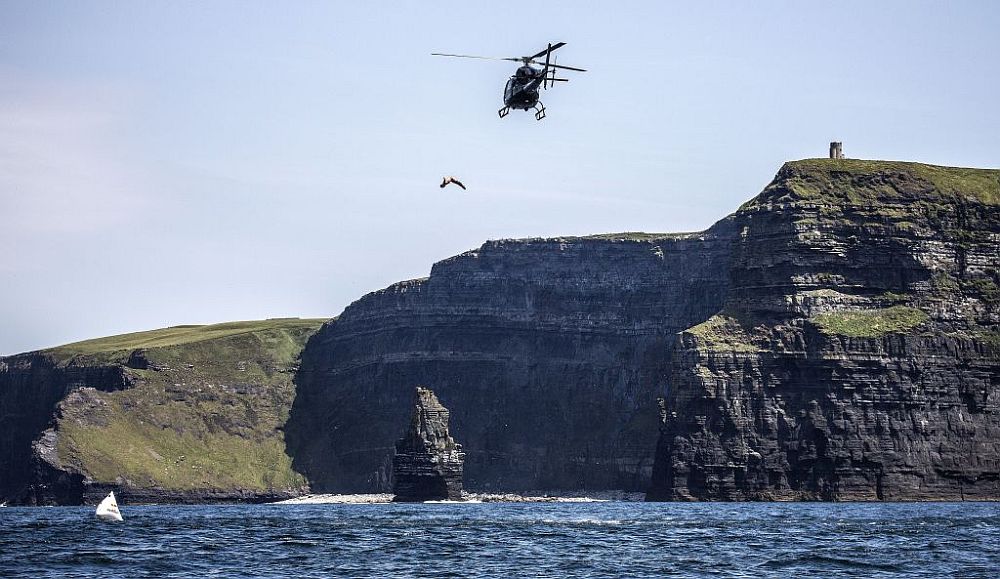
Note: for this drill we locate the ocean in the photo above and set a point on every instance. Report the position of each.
(611, 539)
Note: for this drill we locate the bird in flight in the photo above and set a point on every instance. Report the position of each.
(448, 180)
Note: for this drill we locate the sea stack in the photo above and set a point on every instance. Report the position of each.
(428, 462)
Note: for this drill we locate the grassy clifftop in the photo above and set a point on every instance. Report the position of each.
(205, 412)
(118, 348)
(864, 182)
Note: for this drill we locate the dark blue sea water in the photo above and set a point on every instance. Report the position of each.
(507, 540)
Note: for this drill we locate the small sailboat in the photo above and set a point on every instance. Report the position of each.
(108, 509)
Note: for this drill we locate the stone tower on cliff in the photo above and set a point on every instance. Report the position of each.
(428, 463)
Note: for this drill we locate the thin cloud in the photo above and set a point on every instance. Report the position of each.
(63, 168)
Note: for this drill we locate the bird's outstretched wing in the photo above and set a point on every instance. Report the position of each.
(448, 180)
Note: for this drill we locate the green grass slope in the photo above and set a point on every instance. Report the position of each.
(112, 348)
(205, 413)
(871, 323)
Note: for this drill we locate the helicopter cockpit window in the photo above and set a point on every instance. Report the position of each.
(509, 89)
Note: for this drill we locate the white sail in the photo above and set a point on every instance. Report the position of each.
(108, 509)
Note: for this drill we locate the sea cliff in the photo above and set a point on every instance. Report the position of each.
(550, 352)
(857, 354)
(183, 414)
(836, 338)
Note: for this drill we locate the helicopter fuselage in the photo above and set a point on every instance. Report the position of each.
(521, 91)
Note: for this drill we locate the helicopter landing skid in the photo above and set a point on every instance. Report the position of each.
(503, 112)
(539, 111)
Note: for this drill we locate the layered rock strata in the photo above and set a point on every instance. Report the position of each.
(550, 352)
(428, 462)
(857, 355)
(835, 338)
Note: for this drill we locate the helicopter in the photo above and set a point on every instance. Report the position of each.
(521, 91)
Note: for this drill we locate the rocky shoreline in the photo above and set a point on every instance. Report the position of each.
(467, 497)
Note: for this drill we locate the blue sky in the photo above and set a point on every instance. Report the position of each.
(166, 163)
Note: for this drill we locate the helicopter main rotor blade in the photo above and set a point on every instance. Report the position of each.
(551, 65)
(567, 67)
(547, 50)
(471, 56)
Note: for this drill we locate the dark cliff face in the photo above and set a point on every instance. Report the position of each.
(550, 352)
(857, 354)
(31, 387)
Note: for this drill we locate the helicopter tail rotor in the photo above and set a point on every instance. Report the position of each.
(550, 74)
